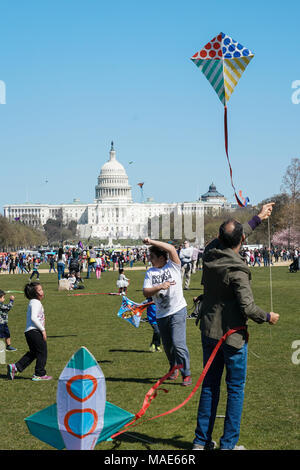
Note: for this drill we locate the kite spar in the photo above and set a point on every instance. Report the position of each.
(223, 61)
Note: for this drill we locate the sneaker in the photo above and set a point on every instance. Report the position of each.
(236, 448)
(158, 349)
(38, 378)
(11, 371)
(187, 381)
(152, 348)
(174, 375)
(10, 348)
(209, 446)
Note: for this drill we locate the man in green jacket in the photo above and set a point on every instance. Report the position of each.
(227, 303)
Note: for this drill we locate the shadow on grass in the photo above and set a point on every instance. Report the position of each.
(147, 441)
(59, 336)
(144, 380)
(130, 350)
(17, 377)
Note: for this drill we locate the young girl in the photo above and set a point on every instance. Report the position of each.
(122, 282)
(35, 335)
(98, 266)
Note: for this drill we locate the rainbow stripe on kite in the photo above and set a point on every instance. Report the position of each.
(223, 61)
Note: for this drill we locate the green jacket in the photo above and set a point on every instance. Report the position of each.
(228, 300)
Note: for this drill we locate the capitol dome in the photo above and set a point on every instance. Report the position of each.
(113, 185)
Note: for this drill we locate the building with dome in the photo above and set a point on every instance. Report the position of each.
(212, 195)
(114, 214)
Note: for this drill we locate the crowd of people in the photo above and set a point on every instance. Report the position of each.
(223, 311)
(265, 256)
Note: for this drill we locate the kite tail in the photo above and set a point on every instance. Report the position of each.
(152, 393)
(241, 202)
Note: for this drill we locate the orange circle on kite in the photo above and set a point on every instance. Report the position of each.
(86, 410)
(81, 377)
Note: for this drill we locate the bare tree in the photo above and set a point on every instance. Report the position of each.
(291, 186)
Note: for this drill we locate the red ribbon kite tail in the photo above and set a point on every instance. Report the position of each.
(152, 393)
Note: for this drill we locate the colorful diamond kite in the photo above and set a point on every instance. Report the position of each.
(223, 61)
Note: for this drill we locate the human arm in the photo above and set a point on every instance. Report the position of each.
(242, 290)
(170, 249)
(151, 291)
(6, 308)
(256, 220)
(37, 316)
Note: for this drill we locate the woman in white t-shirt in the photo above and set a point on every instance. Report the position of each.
(163, 283)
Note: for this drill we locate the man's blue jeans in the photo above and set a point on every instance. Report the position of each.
(91, 267)
(235, 362)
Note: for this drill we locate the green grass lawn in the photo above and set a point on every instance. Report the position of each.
(272, 399)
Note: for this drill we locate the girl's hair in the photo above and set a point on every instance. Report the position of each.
(60, 253)
(30, 290)
(121, 271)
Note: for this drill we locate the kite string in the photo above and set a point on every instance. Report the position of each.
(226, 149)
(270, 266)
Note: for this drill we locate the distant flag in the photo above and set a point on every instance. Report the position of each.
(80, 245)
(17, 219)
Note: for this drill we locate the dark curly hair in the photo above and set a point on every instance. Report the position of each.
(30, 290)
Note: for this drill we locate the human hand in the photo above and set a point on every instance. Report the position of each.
(274, 317)
(12, 297)
(147, 241)
(44, 335)
(166, 285)
(266, 211)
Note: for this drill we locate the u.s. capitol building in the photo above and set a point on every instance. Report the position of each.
(114, 214)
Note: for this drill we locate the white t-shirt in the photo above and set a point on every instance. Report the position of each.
(35, 316)
(171, 300)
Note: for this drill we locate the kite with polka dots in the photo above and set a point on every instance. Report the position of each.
(223, 61)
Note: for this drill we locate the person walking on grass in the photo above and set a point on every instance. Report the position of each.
(163, 283)
(35, 270)
(35, 335)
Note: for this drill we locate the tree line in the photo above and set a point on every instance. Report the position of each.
(284, 224)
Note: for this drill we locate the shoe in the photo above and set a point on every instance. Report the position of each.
(187, 381)
(236, 448)
(174, 375)
(152, 348)
(10, 348)
(209, 446)
(38, 378)
(11, 371)
(158, 349)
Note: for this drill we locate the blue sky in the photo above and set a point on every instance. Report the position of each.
(80, 74)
